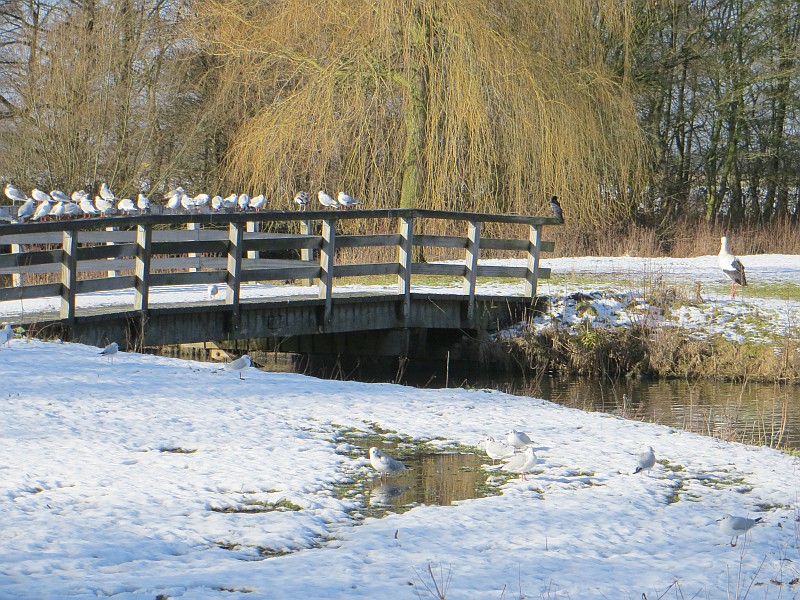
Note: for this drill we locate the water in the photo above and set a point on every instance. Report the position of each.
(753, 413)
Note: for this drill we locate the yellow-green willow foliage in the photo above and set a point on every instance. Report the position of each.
(461, 104)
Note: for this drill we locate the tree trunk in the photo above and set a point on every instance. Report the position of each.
(416, 114)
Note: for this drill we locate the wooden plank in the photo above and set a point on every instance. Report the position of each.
(281, 273)
(106, 284)
(299, 242)
(26, 292)
(187, 278)
(534, 248)
(365, 241)
(142, 269)
(193, 247)
(405, 247)
(518, 245)
(510, 272)
(437, 269)
(326, 265)
(69, 275)
(471, 265)
(8, 262)
(361, 270)
(305, 253)
(105, 252)
(233, 278)
(440, 241)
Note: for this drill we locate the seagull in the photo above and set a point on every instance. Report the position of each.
(244, 201)
(216, 202)
(126, 205)
(256, 202)
(347, 201)
(26, 210)
(383, 463)
(71, 209)
(736, 526)
(58, 210)
(87, 207)
(213, 290)
(230, 202)
(143, 203)
(6, 335)
(201, 200)
(496, 450)
(79, 195)
(521, 463)
(106, 194)
(326, 200)
(102, 204)
(555, 206)
(647, 460)
(187, 202)
(13, 194)
(240, 364)
(110, 351)
(59, 196)
(731, 266)
(42, 210)
(40, 196)
(301, 199)
(173, 198)
(518, 439)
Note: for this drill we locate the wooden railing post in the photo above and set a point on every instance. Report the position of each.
(404, 259)
(326, 264)
(111, 273)
(305, 253)
(141, 285)
(233, 279)
(471, 264)
(253, 227)
(69, 274)
(17, 279)
(534, 249)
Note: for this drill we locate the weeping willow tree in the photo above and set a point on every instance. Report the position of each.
(450, 104)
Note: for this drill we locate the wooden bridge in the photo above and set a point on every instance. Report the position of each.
(134, 260)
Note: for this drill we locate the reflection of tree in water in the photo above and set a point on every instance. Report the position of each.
(436, 479)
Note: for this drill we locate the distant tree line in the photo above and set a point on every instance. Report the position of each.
(662, 110)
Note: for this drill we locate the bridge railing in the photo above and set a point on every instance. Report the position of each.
(141, 252)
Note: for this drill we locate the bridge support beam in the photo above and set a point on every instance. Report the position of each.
(233, 278)
(326, 262)
(69, 275)
(534, 249)
(141, 285)
(404, 258)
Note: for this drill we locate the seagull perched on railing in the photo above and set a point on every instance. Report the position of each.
(71, 209)
(106, 193)
(326, 200)
(302, 198)
(104, 205)
(173, 198)
(42, 210)
(731, 266)
(256, 202)
(143, 203)
(126, 206)
(346, 200)
(87, 207)
(26, 210)
(244, 201)
(58, 210)
(59, 196)
(14, 194)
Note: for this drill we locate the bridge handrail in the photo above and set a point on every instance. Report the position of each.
(141, 247)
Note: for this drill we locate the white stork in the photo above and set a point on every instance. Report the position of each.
(731, 266)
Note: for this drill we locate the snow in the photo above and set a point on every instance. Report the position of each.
(110, 474)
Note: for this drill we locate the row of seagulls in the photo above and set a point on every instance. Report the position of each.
(731, 266)
(327, 201)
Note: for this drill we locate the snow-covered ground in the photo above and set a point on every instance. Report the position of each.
(115, 477)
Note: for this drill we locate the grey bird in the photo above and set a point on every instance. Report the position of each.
(383, 463)
(647, 460)
(240, 364)
(14, 194)
(302, 198)
(110, 351)
(555, 206)
(736, 526)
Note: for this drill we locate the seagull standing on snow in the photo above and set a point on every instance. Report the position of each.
(521, 463)
(110, 351)
(326, 200)
(736, 526)
(647, 460)
(240, 364)
(383, 463)
(347, 201)
(731, 266)
(518, 439)
(555, 206)
(6, 335)
(496, 450)
(213, 290)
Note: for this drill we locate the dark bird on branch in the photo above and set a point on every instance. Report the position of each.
(555, 206)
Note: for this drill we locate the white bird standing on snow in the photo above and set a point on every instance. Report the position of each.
(110, 351)
(326, 200)
(521, 463)
(6, 335)
(13, 194)
(518, 439)
(213, 290)
(731, 266)
(647, 460)
(347, 201)
(301, 199)
(383, 463)
(240, 364)
(496, 450)
(26, 210)
(736, 526)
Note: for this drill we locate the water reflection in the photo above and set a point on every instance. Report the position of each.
(434, 479)
(754, 413)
